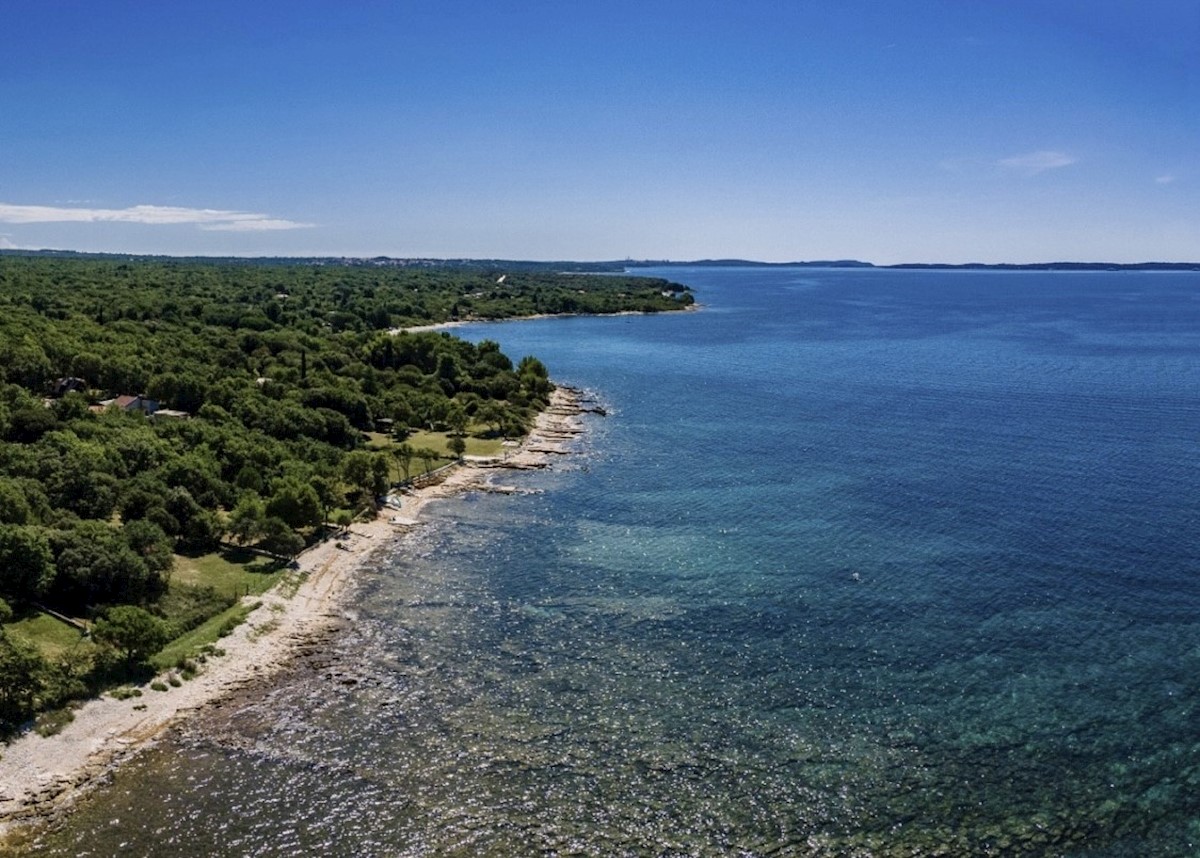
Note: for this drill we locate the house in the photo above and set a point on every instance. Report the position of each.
(132, 403)
(63, 386)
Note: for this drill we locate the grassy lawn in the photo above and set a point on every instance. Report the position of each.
(379, 441)
(230, 572)
(208, 632)
(52, 638)
(439, 443)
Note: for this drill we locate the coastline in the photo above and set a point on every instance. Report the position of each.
(41, 777)
(458, 323)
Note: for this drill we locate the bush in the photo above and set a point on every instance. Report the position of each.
(50, 723)
(132, 631)
(186, 607)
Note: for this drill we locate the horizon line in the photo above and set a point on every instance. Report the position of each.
(627, 261)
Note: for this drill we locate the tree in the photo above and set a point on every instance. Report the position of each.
(199, 473)
(96, 566)
(249, 477)
(88, 366)
(25, 363)
(14, 506)
(73, 406)
(149, 542)
(366, 471)
(403, 415)
(457, 445)
(134, 632)
(296, 503)
(280, 539)
(403, 454)
(26, 564)
(245, 522)
(382, 473)
(21, 670)
(491, 414)
(196, 527)
(327, 492)
(513, 427)
(183, 391)
(428, 457)
(535, 379)
(140, 495)
(456, 418)
(89, 493)
(26, 425)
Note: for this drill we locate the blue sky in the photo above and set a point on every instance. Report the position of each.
(965, 130)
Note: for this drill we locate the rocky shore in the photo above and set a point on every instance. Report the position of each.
(40, 777)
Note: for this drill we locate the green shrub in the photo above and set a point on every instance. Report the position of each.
(52, 722)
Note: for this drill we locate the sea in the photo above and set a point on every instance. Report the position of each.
(858, 562)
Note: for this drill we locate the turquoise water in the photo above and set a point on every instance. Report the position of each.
(861, 563)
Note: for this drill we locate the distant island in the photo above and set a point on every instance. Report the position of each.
(968, 266)
(601, 266)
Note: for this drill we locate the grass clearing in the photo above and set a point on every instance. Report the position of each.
(438, 441)
(51, 637)
(224, 576)
(232, 572)
(209, 632)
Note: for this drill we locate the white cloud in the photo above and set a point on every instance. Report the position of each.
(6, 242)
(1033, 163)
(210, 219)
(263, 224)
(1164, 180)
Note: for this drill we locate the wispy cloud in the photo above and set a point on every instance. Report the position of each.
(206, 219)
(6, 242)
(1164, 180)
(1033, 163)
(258, 224)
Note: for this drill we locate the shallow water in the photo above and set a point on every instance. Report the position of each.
(862, 562)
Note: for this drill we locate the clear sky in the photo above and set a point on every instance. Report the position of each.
(889, 131)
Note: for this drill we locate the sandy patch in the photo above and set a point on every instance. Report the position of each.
(458, 323)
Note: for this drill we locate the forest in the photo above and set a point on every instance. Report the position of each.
(159, 413)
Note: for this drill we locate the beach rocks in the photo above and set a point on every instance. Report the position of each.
(290, 632)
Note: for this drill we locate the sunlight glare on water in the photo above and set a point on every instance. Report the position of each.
(861, 563)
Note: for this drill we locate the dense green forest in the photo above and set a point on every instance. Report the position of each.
(157, 410)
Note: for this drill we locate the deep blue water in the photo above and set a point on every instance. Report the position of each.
(860, 563)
